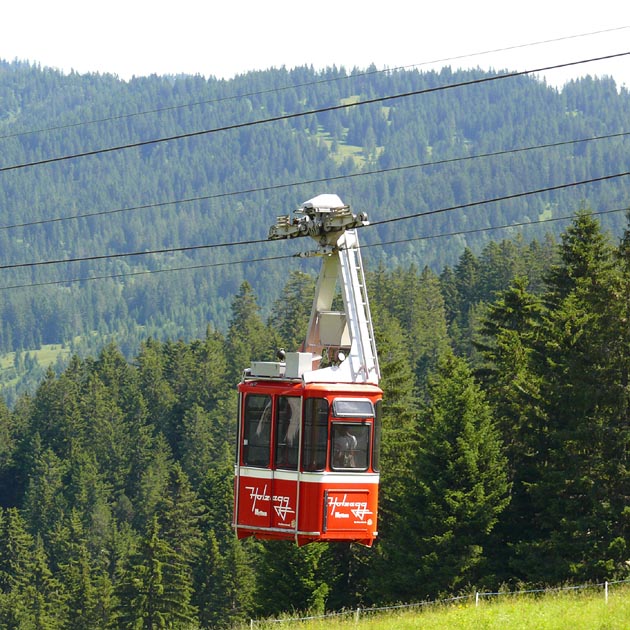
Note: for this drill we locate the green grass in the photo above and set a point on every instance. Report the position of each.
(546, 214)
(47, 354)
(572, 610)
(44, 356)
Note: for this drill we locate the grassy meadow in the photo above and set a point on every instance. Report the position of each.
(562, 610)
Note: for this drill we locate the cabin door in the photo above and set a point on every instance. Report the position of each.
(287, 422)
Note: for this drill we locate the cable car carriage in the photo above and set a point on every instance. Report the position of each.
(307, 461)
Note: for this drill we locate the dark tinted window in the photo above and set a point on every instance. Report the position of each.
(378, 425)
(315, 434)
(287, 431)
(257, 430)
(350, 446)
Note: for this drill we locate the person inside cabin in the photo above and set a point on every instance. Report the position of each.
(344, 447)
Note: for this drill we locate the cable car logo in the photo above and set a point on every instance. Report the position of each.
(358, 508)
(282, 508)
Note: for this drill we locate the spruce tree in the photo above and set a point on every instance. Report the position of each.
(156, 590)
(428, 327)
(509, 332)
(291, 311)
(458, 489)
(292, 579)
(17, 568)
(225, 573)
(77, 576)
(577, 519)
(248, 339)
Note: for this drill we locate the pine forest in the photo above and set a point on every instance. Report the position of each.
(138, 283)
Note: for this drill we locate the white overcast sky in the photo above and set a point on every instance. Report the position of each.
(222, 38)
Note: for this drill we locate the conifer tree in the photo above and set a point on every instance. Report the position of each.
(45, 594)
(198, 443)
(17, 566)
(45, 501)
(225, 573)
(156, 390)
(156, 590)
(357, 575)
(56, 416)
(77, 576)
(291, 311)
(8, 455)
(510, 331)
(292, 578)
(576, 528)
(181, 515)
(398, 440)
(225, 579)
(457, 492)
(429, 336)
(248, 339)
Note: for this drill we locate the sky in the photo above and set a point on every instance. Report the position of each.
(225, 38)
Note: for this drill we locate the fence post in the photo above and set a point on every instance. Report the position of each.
(476, 599)
(606, 591)
(356, 615)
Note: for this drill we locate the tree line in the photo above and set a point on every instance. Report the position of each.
(504, 456)
(421, 151)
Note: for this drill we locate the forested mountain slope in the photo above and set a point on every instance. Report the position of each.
(504, 360)
(180, 193)
(504, 457)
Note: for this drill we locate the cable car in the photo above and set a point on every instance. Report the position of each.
(309, 424)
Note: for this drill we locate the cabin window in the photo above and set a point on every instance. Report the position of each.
(353, 408)
(350, 446)
(257, 430)
(378, 429)
(287, 432)
(315, 434)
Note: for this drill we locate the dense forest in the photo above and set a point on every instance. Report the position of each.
(224, 176)
(505, 356)
(504, 457)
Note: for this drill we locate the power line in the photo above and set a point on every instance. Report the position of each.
(490, 228)
(284, 117)
(289, 256)
(145, 272)
(189, 248)
(307, 84)
(168, 250)
(502, 198)
(313, 181)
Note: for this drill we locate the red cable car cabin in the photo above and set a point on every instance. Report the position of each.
(308, 436)
(308, 460)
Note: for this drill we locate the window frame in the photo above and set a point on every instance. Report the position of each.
(362, 447)
(292, 451)
(315, 434)
(338, 412)
(262, 440)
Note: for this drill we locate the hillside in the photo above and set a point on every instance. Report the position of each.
(504, 452)
(207, 186)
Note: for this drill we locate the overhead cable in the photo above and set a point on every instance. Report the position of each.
(289, 256)
(284, 117)
(309, 83)
(502, 198)
(259, 189)
(171, 250)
